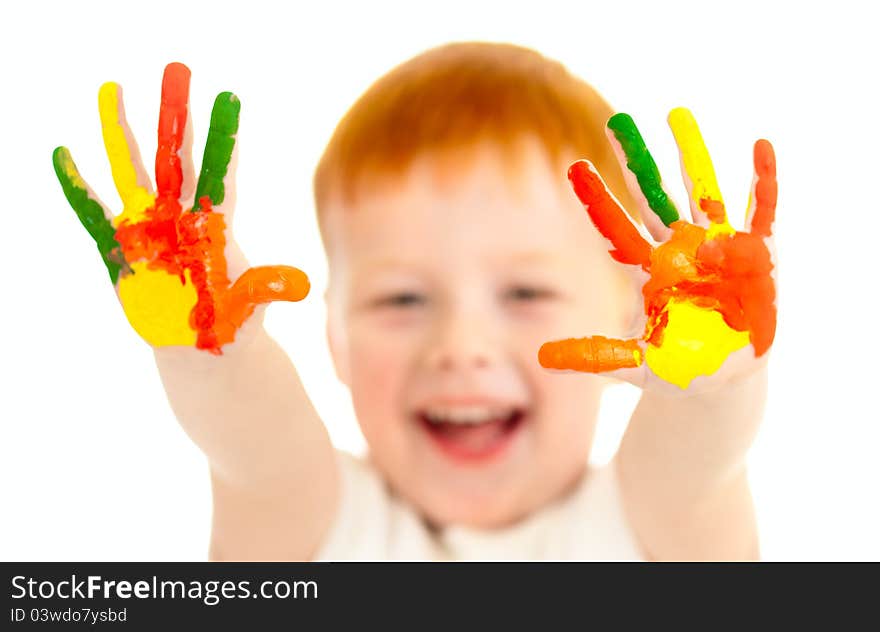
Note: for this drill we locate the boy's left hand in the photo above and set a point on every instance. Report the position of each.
(709, 290)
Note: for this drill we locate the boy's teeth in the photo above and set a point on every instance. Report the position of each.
(466, 415)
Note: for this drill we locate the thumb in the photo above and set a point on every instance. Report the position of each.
(265, 284)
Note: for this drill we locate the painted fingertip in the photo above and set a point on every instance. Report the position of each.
(300, 285)
(225, 114)
(579, 169)
(585, 180)
(108, 94)
(550, 355)
(623, 128)
(175, 85)
(60, 154)
(177, 70)
(681, 116)
(65, 168)
(620, 121)
(765, 157)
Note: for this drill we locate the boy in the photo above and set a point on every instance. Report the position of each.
(455, 250)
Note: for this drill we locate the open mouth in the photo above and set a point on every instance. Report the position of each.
(474, 433)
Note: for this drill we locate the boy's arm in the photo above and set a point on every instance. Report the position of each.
(187, 290)
(682, 471)
(273, 471)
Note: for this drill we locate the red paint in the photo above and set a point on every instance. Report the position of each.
(175, 240)
(730, 274)
(610, 220)
(172, 125)
(765, 189)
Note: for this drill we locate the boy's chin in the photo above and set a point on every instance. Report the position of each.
(483, 477)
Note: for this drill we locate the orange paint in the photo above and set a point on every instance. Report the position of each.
(593, 355)
(724, 272)
(714, 210)
(729, 274)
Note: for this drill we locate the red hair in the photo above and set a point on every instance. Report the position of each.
(455, 96)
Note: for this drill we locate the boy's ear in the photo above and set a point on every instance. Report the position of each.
(338, 345)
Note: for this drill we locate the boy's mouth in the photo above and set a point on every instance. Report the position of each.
(472, 433)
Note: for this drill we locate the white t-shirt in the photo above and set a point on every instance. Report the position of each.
(373, 524)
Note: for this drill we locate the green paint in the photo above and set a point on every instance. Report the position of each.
(218, 149)
(89, 211)
(643, 167)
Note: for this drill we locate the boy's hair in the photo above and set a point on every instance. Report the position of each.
(455, 96)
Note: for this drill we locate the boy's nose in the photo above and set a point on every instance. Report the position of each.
(462, 343)
(450, 359)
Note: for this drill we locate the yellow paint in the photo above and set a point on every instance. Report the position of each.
(696, 161)
(716, 229)
(695, 342)
(135, 197)
(158, 305)
(70, 170)
(637, 356)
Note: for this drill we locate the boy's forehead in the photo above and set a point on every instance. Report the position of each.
(486, 190)
(468, 220)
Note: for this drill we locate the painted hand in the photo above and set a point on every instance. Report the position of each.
(710, 291)
(166, 252)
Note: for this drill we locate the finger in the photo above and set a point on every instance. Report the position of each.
(264, 284)
(129, 175)
(216, 179)
(96, 218)
(172, 126)
(642, 176)
(609, 218)
(762, 200)
(707, 206)
(596, 354)
(188, 188)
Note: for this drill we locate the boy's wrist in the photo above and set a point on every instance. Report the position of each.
(729, 392)
(197, 361)
(695, 442)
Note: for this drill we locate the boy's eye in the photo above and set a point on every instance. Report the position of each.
(522, 293)
(401, 299)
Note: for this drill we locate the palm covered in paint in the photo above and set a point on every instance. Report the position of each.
(166, 252)
(709, 292)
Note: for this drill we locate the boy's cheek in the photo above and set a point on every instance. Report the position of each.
(378, 371)
(567, 401)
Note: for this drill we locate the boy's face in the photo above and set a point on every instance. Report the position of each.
(445, 281)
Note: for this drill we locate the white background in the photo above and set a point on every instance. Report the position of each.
(93, 464)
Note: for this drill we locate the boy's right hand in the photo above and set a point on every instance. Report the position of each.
(166, 252)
